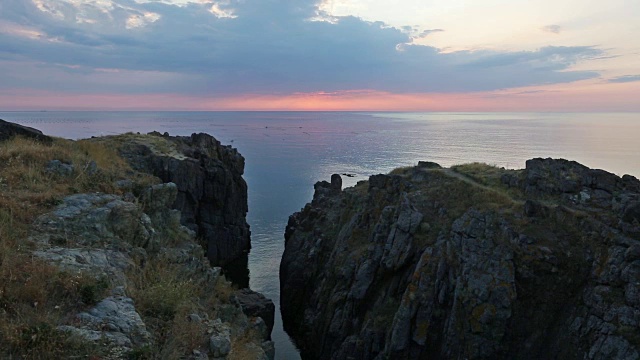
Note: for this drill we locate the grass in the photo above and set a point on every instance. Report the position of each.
(490, 176)
(401, 170)
(165, 295)
(157, 144)
(482, 173)
(36, 297)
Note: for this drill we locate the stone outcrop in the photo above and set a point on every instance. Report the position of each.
(212, 195)
(256, 305)
(113, 320)
(429, 263)
(129, 266)
(109, 237)
(8, 130)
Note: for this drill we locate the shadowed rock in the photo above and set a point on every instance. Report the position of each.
(212, 195)
(9, 130)
(540, 263)
(256, 305)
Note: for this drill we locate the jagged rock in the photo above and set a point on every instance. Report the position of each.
(269, 349)
(336, 182)
(112, 237)
(97, 262)
(398, 247)
(324, 189)
(632, 213)
(256, 304)
(115, 320)
(424, 265)
(212, 195)
(107, 238)
(220, 341)
(90, 219)
(160, 196)
(428, 165)
(8, 130)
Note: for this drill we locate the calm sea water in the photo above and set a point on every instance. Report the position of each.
(287, 152)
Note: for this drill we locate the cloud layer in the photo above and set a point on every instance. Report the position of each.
(246, 47)
(625, 79)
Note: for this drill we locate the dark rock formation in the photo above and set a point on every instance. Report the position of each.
(256, 305)
(541, 263)
(9, 130)
(105, 236)
(212, 195)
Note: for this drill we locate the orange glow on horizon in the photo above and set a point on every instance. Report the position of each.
(584, 96)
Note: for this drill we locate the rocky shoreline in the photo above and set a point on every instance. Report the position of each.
(111, 247)
(136, 281)
(471, 262)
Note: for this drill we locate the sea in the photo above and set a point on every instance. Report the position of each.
(287, 152)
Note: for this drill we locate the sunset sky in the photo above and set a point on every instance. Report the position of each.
(414, 55)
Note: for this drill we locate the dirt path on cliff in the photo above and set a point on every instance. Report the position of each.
(470, 181)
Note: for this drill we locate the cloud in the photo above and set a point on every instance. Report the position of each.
(247, 46)
(554, 29)
(625, 79)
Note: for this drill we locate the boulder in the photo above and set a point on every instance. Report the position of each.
(256, 305)
(114, 319)
(428, 165)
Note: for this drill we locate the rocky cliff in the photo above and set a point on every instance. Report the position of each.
(472, 262)
(212, 195)
(95, 263)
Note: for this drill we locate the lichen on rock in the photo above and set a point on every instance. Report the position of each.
(96, 261)
(212, 195)
(469, 262)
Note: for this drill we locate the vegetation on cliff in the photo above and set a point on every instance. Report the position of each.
(94, 263)
(472, 262)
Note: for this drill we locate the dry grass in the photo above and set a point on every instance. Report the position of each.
(159, 290)
(243, 348)
(27, 189)
(401, 170)
(157, 144)
(482, 173)
(165, 296)
(35, 297)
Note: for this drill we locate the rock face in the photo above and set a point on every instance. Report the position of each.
(109, 237)
(114, 320)
(430, 263)
(212, 195)
(9, 130)
(257, 305)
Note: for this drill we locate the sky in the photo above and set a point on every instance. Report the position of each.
(363, 55)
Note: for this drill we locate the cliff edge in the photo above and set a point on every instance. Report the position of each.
(212, 195)
(95, 262)
(471, 262)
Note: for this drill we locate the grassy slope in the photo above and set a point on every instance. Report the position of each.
(36, 297)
